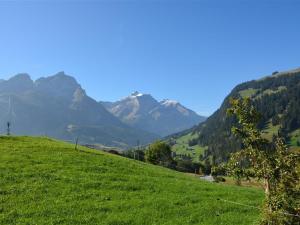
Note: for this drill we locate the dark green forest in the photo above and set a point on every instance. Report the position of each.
(276, 97)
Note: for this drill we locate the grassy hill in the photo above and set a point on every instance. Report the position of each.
(276, 97)
(43, 181)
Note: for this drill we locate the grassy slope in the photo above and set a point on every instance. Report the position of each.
(270, 131)
(248, 92)
(182, 147)
(43, 181)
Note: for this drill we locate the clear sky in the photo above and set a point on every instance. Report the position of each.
(191, 51)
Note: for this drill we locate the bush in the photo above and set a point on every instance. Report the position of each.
(218, 179)
(188, 166)
(159, 153)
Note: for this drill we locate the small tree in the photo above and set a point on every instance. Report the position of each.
(271, 162)
(159, 153)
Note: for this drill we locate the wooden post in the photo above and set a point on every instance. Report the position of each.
(8, 128)
(76, 143)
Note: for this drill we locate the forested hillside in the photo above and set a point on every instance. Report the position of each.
(276, 97)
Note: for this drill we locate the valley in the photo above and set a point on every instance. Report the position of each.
(151, 112)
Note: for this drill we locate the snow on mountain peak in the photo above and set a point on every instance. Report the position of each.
(168, 102)
(137, 94)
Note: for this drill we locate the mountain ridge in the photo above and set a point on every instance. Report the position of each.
(276, 97)
(145, 112)
(58, 106)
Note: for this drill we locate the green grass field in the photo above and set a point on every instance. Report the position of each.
(182, 147)
(43, 181)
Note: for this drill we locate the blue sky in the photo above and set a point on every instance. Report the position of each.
(191, 51)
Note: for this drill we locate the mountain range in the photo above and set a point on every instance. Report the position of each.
(142, 111)
(59, 107)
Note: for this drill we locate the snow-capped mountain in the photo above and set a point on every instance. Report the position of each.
(144, 112)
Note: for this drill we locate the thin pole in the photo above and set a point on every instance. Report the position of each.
(8, 128)
(76, 143)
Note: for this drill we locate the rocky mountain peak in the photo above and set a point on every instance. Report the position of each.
(21, 77)
(169, 102)
(136, 94)
(78, 95)
(17, 84)
(145, 112)
(59, 85)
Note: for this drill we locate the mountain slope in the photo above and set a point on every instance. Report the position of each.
(144, 112)
(276, 97)
(43, 181)
(57, 106)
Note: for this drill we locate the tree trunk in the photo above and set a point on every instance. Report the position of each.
(267, 193)
(267, 186)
